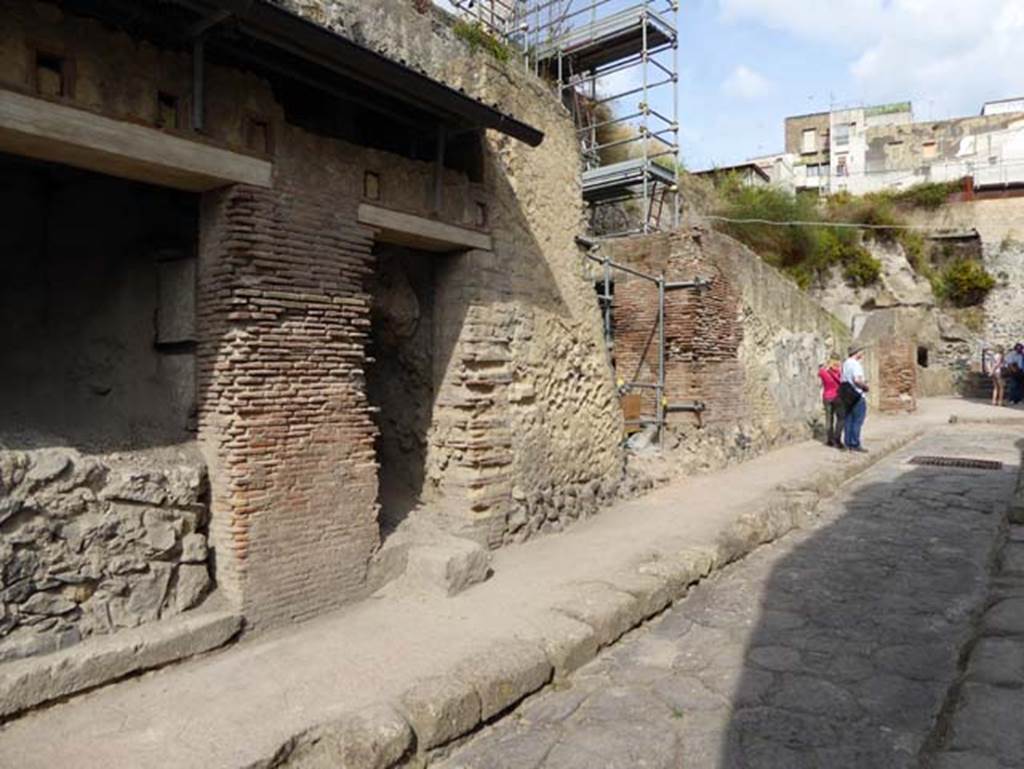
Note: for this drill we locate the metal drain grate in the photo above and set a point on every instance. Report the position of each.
(964, 462)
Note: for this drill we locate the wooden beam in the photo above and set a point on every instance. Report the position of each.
(419, 232)
(56, 132)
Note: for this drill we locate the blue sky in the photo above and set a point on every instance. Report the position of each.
(747, 64)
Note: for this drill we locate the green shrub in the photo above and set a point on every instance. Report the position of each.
(929, 195)
(963, 283)
(860, 268)
(805, 253)
(479, 39)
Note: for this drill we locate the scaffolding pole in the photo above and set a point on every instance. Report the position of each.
(579, 45)
(663, 286)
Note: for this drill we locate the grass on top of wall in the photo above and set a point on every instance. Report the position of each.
(810, 253)
(479, 39)
(807, 253)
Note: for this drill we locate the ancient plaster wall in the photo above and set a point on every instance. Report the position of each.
(94, 544)
(87, 264)
(749, 347)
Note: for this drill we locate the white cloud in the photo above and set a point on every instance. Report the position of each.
(747, 84)
(953, 53)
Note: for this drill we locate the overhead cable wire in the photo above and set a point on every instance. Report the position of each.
(839, 225)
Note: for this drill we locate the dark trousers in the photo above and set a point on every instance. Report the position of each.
(834, 417)
(1016, 387)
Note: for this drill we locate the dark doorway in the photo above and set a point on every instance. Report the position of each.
(97, 307)
(400, 381)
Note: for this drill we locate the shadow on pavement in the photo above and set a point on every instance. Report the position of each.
(862, 622)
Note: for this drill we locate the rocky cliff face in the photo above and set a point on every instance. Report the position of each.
(902, 304)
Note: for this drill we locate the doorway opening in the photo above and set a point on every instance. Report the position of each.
(401, 382)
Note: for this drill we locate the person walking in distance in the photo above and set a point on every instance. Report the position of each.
(997, 373)
(831, 377)
(853, 390)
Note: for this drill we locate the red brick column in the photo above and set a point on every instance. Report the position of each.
(284, 420)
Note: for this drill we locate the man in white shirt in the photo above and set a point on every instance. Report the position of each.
(855, 386)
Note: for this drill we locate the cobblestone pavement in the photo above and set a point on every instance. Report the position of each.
(838, 646)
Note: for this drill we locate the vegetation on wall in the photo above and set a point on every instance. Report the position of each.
(809, 253)
(479, 39)
(963, 282)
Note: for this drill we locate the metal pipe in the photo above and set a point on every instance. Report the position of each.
(661, 358)
(648, 202)
(675, 116)
(439, 169)
(626, 269)
(692, 406)
(699, 283)
(198, 84)
(608, 341)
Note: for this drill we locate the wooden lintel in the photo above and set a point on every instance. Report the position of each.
(404, 229)
(63, 134)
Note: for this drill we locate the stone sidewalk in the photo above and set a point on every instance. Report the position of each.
(395, 677)
(835, 647)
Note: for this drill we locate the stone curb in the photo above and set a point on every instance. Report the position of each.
(1016, 510)
(34, 681)
(443, 710)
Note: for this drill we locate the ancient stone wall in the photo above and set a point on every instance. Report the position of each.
(94, 544)
(1000, 225)
(748, 347)
(523, 390)
(896, 361)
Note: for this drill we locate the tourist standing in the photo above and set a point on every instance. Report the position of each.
(1014, 372)
(853, 390)
(831, 378)
(998, 378)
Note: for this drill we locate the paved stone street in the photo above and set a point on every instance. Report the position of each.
(838, 646)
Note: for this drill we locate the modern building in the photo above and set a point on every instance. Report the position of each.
(867, 149)
(750, 174)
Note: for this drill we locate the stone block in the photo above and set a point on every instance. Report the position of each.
(653, 593)
(26, 683)
(568, 643)
(193, 548)
(376, 737)
(1012, 559)
(505, 674)
(609, 612)
(1005, 618)
(441, 709)
(192, 584)
(997, 661)
(448, 566)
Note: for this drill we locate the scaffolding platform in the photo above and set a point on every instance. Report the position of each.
(610, 39)
(614, 181)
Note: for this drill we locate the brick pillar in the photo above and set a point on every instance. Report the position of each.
(284, 420)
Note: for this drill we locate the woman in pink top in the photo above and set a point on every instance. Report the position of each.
(830, 377)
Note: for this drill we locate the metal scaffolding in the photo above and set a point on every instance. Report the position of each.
(615, 65)
(606, 298)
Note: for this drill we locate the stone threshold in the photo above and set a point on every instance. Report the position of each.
(35, 681)
(434, 716)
